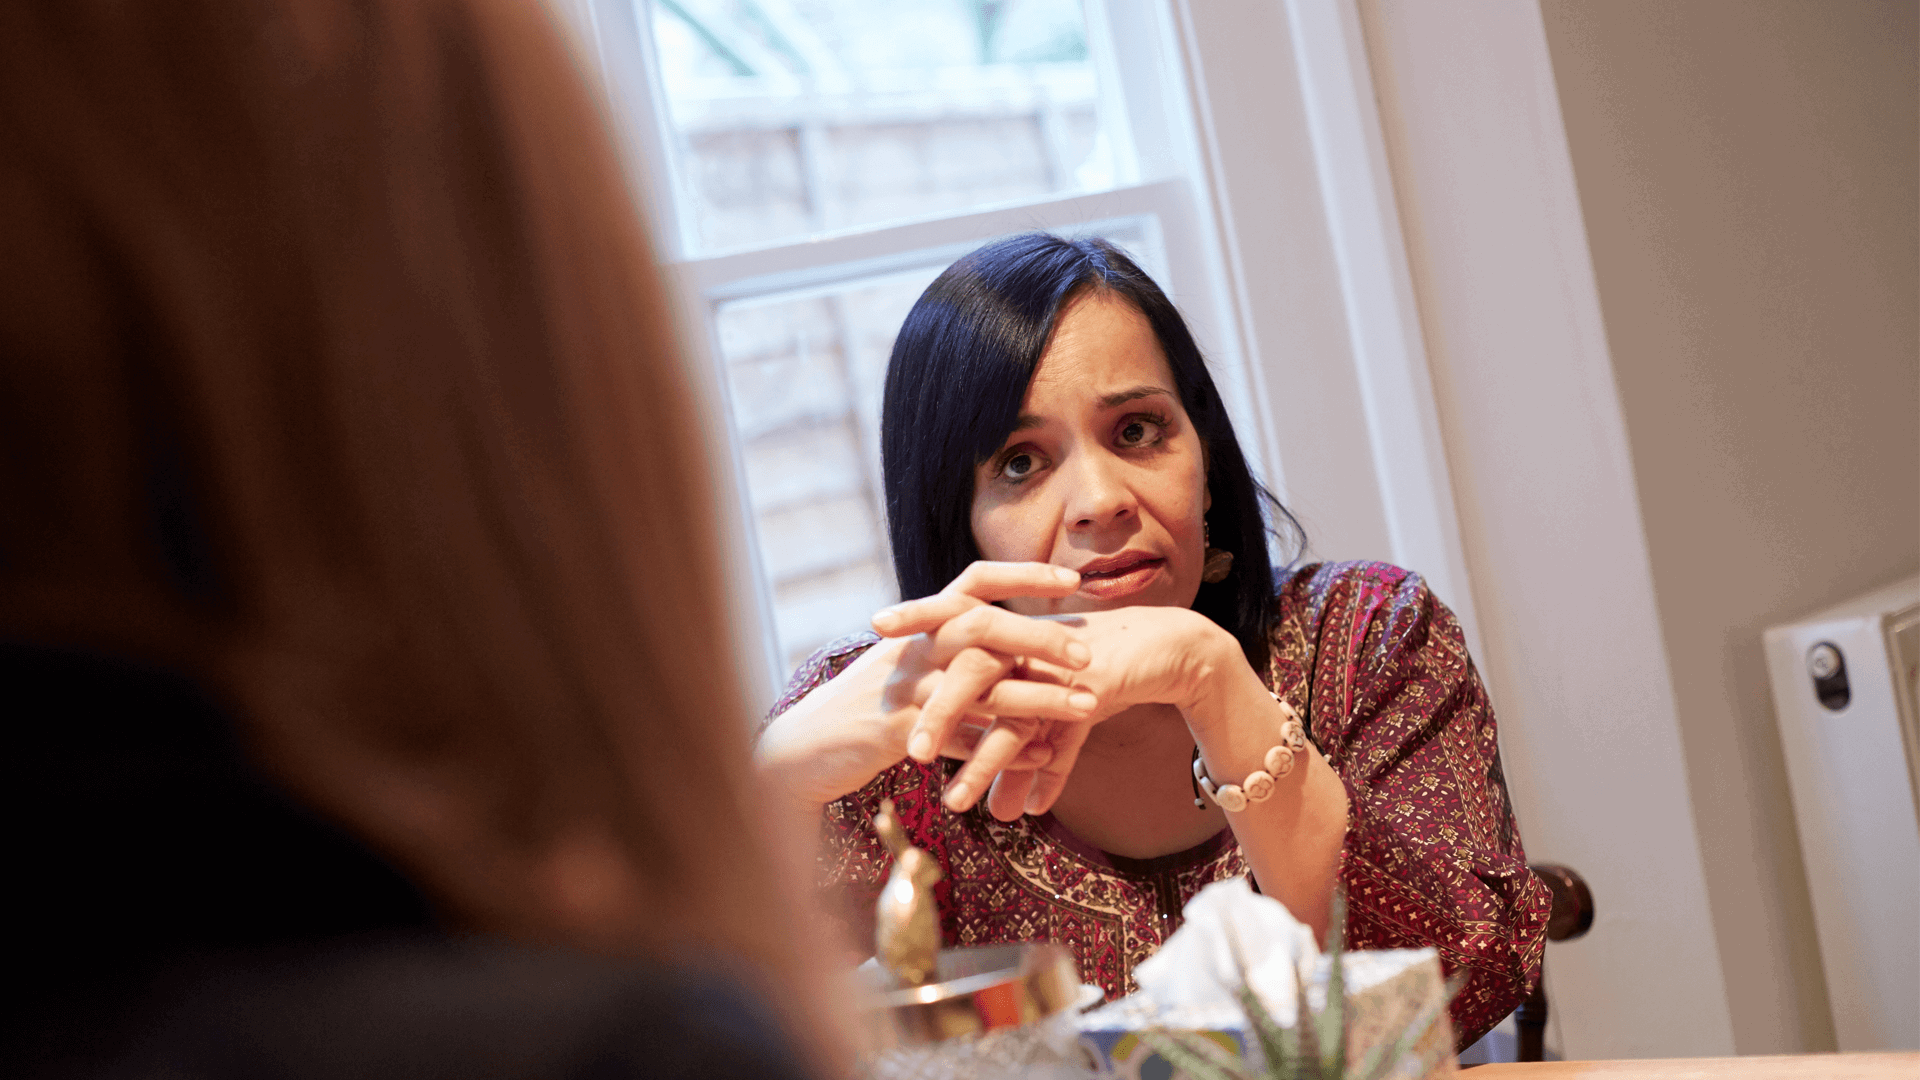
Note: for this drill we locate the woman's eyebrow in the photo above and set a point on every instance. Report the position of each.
(1107, 401)
(1121, 398)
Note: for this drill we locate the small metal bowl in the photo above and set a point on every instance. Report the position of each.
(976, 990)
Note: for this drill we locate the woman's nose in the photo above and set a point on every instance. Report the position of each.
(1098, 494)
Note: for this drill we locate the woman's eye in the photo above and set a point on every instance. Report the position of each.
(1018, 465)
(1140, 431)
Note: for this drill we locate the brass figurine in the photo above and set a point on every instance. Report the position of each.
(906, 934)
(940, 994)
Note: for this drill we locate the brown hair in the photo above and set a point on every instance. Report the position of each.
(336, 372)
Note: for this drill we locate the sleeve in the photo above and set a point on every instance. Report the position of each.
(826, 662)
(1432, 855)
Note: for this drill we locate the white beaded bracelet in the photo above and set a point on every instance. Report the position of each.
(1259, 784)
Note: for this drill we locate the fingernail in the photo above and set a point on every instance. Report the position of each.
(920, 747)
(1066, 576)
(1078, 654)
(886, 619)
(1082, 701)
(959, 796)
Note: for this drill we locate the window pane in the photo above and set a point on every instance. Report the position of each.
(804, 370)
(805, 374)
(791, 117)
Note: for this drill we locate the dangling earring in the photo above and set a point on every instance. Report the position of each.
(1219, 560)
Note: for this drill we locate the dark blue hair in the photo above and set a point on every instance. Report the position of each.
(959, 371)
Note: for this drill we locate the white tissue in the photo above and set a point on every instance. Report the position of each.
(1231, 933)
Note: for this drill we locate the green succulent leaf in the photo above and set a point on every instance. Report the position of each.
(1279, 1045)
(1311, 1062)
(1333, 1021)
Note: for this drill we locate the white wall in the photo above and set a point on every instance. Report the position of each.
(1549, 512)
(1748, 178)
(1665, 256)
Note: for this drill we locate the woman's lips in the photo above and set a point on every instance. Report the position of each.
(1113, 579)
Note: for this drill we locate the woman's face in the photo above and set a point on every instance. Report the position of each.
(1103, 473)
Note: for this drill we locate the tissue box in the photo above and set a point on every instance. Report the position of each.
(1114, 1047)
(1386, 991)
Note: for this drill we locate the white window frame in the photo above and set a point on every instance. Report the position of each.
(1251, 139)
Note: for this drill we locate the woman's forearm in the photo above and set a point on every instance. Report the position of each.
(1292, 840)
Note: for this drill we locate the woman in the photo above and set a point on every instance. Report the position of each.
(369, 705)
(1094, 634)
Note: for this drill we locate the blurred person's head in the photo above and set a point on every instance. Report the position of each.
(964, 364)
(335, 374)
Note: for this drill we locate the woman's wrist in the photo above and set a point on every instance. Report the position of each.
(1236, 794)
(1237, 723)
(1222, 684)
(780, 768)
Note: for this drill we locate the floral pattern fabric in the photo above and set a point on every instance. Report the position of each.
(1380, 670)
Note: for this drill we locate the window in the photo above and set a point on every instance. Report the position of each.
(824, 160)
(789, 119)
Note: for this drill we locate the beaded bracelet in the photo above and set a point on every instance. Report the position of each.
(1259, 784)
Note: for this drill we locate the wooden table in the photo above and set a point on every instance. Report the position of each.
(1897, 1066)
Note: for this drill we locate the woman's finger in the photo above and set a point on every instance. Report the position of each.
(918, 616)
(959, 623)
(1005, 580)
(1004, 632)
(1018, 697)
(1015, 686)
(981, 582)
(1007, 799)
(1050, 779)
(1039, 668)
(996, 751)
(966, 739)
(965, 678)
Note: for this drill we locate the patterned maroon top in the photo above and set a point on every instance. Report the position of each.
(1432, 856)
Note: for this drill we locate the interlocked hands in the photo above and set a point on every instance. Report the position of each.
(1012, 696)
